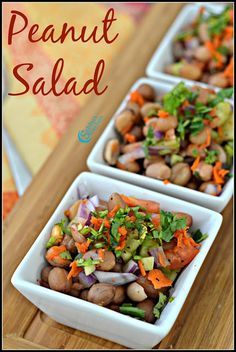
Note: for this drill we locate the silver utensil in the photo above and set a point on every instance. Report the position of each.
(20, 172)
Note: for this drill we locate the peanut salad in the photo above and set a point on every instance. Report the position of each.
(124, 254)
(184, 137)
(203, 51)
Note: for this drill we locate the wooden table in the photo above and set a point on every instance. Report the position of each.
(206, 320)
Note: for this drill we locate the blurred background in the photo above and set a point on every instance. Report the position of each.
(35, 124)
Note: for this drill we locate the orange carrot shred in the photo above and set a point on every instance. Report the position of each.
(219, 173)
(130, 138)
(55, 251)
(141, 268)
(136, 97)
(121, 245)
(158, 279)
(83, 247)
(220, 131)
(195, 164)
(101, 253)
(166, 182)
(74, 271)
(122, 231)
(113, 212)
(162, 114)
(146, 119)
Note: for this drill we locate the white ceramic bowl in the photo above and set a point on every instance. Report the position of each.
(97, 320)
(163, 54)
(97, 164)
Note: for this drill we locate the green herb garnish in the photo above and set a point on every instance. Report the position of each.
(160, 305)
(211, 156)
(198, 236)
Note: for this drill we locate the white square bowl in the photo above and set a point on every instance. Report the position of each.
(163, 54)
(100, 321)
(97, 164)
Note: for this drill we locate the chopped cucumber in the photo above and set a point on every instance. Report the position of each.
(171, 274)
(89, 269)
(146, 245)
(148, 263)
(126, 256)
(132, 245)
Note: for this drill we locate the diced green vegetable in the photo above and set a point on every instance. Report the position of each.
(171, 274)
(148, 263)
(176, 97)
(125, 255)
(229, 152)
(146, 245)
(160, 305)
(228, 130)
(133, 311)
(174, 159)
(51, 242)
(89, 269)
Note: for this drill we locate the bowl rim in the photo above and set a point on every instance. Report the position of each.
(183, 191)
(164, 327)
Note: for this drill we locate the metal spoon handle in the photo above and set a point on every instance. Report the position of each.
(20, 172)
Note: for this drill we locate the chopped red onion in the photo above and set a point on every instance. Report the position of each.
(130, 267)
(87, 281)
(192, 43)
(137, 153)
(77, 236)
(82, 191)
(95, 201)
(115, 279)
(158, 134)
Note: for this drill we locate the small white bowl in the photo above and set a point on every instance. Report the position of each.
(97, 164)
(163, 54)
(96, 320)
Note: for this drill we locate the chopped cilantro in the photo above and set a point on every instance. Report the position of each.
(169, 224)
(223, 94)
(175, 98)
(171, 299)
(63, 225)
(211, 156)
(50, 243)
(198, 236)
(65, 255)
(160, 305)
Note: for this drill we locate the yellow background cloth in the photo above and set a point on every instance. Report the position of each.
(36, 123)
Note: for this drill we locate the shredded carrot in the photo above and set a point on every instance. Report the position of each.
(184, 240)
(141, 268)
(211, 46)
(55, 251)
(74, 271)
(101, 253)
(228, 72)
(162, 114)
(113, 212)
(231, 15)
(208, 140)
(136, 97)
(121, 245)
(219, 173)
(228, 32)
(122, 231)
(185, 103)
(150, 206)
(195, 164)
(107, 234)
(166, 182)
(220, 131)
(158, 279)
(217, 41)
(130, 138)
(146, 119)
(83, 247)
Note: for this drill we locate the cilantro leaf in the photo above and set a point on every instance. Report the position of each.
(63, 225)
(211, 156)
(169, 224)
(50, 243)
(160, 305)
(65, 255)
(198, 236)
(223, 94)
(176, 97)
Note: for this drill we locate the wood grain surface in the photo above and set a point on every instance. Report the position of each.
(206, 320)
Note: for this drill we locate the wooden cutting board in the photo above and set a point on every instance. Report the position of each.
(206, 320)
